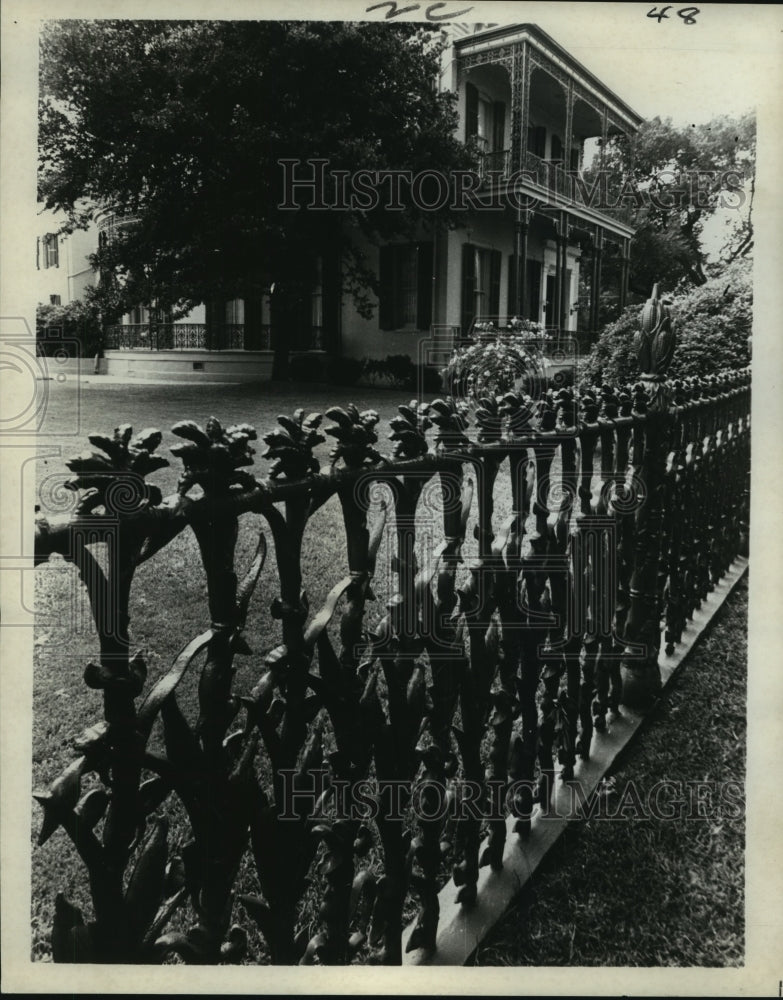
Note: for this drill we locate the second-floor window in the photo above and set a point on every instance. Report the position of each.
(536, 140)
(485, 120)
(48, 252)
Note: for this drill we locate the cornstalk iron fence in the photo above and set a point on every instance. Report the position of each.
(475, 683)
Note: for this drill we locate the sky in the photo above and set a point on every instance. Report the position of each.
(727, 62)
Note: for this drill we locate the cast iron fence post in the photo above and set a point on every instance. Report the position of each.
(655, 343)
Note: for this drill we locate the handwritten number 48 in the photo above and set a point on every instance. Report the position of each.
(688, 14)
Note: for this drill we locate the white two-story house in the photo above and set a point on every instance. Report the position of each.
(538, 119)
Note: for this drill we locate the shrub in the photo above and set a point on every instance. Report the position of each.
(401, 369)
(713, 323)
(395, 370)
(77, 321)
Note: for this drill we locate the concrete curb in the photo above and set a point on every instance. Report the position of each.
(107, 380)
(461, 930)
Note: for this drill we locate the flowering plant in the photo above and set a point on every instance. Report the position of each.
(493, 366)
(521, 329)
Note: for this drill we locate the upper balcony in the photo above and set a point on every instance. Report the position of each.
(541, 122)
(112, 224)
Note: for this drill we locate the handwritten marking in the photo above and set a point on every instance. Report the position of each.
(688, 14)
(429, 13)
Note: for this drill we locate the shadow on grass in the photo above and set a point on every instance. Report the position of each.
(642, 891)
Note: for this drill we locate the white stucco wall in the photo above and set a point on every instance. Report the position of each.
(73, 275)
(363, 338)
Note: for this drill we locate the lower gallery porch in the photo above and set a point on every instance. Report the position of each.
(217, 342)
(189, 365)
(546, 265)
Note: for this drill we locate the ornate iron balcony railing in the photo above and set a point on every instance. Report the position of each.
(570, 185)
(201, 337)
(497, 163)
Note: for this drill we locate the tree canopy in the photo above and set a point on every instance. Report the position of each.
(683, 177)
(181, 126)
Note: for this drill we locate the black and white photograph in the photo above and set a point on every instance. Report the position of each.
(376, 435)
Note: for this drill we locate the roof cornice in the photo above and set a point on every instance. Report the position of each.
(509, 33)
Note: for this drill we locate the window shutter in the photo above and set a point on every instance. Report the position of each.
(386, 308)
(471, 111)
(468, 286)
(252, 330)
(550, 319)
(214, 311)
(424, 286)
(498, 126)
(575, 157)
(511, 304)
(38, 252)
(45, 248)
(534, 288)
(536, 140)
(557, 148)
(495, 264)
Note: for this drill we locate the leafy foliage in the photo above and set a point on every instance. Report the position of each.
(179, 127)
(77, 321)
(393, 370)
(713, 323)
(676, 180)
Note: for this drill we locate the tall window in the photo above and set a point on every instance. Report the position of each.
(485, 120)
(317, 296)
(536, 140)
(406, 286)
(484, 132)
(48, 251)
(235, 312)
(480, 284)
(534, 269)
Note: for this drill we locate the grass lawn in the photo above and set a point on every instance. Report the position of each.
(585, 916)
(653, 891)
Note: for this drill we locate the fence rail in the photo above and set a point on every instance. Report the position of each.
(627, 506)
